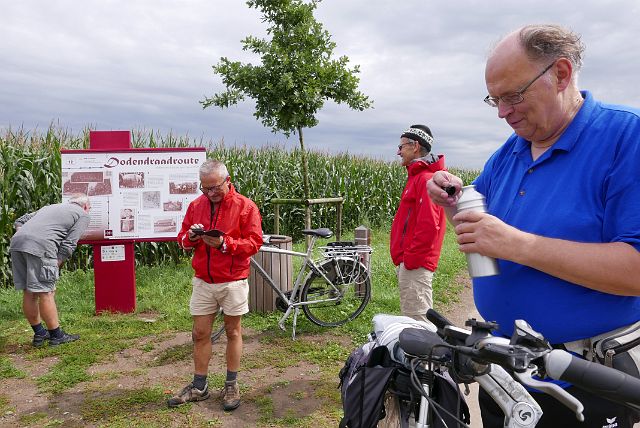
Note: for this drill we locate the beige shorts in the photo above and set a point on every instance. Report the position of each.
(232, 297)
(416, 295)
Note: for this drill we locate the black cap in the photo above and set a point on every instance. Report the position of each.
(420, 133)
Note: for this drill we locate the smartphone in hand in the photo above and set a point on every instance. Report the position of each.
(212, 232)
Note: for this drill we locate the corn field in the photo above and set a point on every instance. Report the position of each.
(30, 176)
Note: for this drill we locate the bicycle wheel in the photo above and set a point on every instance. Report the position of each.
(397, 414)
(341, 301)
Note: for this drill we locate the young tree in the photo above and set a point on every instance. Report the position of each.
(297, 73)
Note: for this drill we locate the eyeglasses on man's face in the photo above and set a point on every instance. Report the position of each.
(400, 146)
(515, 97)
(215, 188)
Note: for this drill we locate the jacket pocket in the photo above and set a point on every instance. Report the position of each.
(49, 271)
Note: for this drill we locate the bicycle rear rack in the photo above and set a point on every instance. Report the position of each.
(345, 249)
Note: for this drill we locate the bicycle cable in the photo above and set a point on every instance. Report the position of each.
(416, 383)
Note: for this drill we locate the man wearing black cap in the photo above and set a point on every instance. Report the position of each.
(419, 225)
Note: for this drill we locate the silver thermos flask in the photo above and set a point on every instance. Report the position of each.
(477, 264)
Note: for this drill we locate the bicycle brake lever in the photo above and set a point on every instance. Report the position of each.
(517, 404)
(526, 378)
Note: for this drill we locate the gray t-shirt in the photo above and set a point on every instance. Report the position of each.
(52, 232)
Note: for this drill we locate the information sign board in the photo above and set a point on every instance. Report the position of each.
(135, 194)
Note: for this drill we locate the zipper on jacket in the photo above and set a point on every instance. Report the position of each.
(404, 231)
(211, 224)
(406, 222)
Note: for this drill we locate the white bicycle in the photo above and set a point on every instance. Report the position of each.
(501, 367)
(331, 291)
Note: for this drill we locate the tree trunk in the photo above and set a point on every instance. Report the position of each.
(305, 167)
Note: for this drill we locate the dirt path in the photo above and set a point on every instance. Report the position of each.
(270, 384)
(89, 404)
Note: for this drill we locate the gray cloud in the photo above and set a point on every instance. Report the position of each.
(146, 64)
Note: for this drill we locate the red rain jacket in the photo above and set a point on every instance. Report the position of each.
(419, 225)
(239, 218)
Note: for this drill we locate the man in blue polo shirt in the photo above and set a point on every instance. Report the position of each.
(563, 201)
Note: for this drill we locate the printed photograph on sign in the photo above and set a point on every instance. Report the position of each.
(86, 177)
(165, 224)
(127, 220)
(172, 205)
(69, 188)
(131, 180)
(151, 200)
(100, 189)
(189, 187)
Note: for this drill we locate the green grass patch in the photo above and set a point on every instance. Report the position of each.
(33, 418)
(8, 370)
(282, 351)
(103, 406)
(4, 404)
(452, 263)
(174, 354)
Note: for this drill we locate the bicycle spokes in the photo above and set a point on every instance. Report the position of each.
(339, 295)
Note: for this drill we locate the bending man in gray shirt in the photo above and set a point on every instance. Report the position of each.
(43, 241)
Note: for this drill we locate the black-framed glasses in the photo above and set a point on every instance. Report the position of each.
(400, 146)
(515, 97)
(215, 188)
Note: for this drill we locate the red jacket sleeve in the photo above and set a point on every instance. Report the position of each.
(250, 240)
(426, 231)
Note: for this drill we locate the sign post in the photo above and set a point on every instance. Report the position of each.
(113, 265)
(136, 195)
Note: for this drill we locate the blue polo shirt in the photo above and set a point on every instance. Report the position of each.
(586, 188)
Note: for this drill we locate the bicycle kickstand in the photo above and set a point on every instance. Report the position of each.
(295, 320)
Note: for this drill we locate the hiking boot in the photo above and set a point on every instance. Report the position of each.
(189, 393)
(38, 339)
(230, 395)
(64, 338)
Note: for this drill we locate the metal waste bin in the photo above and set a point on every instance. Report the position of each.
(262, 298)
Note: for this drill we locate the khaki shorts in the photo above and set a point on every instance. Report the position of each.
(32, 273)
(232, 297)
(416, 295)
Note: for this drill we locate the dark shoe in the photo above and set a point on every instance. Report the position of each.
(189, 393)
(38, 340)
(64, 338)
(230, 396)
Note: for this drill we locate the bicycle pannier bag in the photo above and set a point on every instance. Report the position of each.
(620, 350)
(363, 393)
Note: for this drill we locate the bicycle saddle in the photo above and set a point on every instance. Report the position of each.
(323, 232)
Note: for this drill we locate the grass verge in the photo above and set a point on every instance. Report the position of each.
(163, 294)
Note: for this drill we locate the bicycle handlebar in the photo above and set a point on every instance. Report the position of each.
(594, 377)
(527, 354)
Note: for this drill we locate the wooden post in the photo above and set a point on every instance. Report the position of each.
(276, 219)
(307, 223)
(362, 236)
(339, 221)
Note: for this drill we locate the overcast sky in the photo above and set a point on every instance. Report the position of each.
(145, 64)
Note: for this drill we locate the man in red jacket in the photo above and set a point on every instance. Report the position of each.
(419, 225)
(221, 265)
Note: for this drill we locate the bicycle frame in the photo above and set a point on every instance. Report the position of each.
(308, 266)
